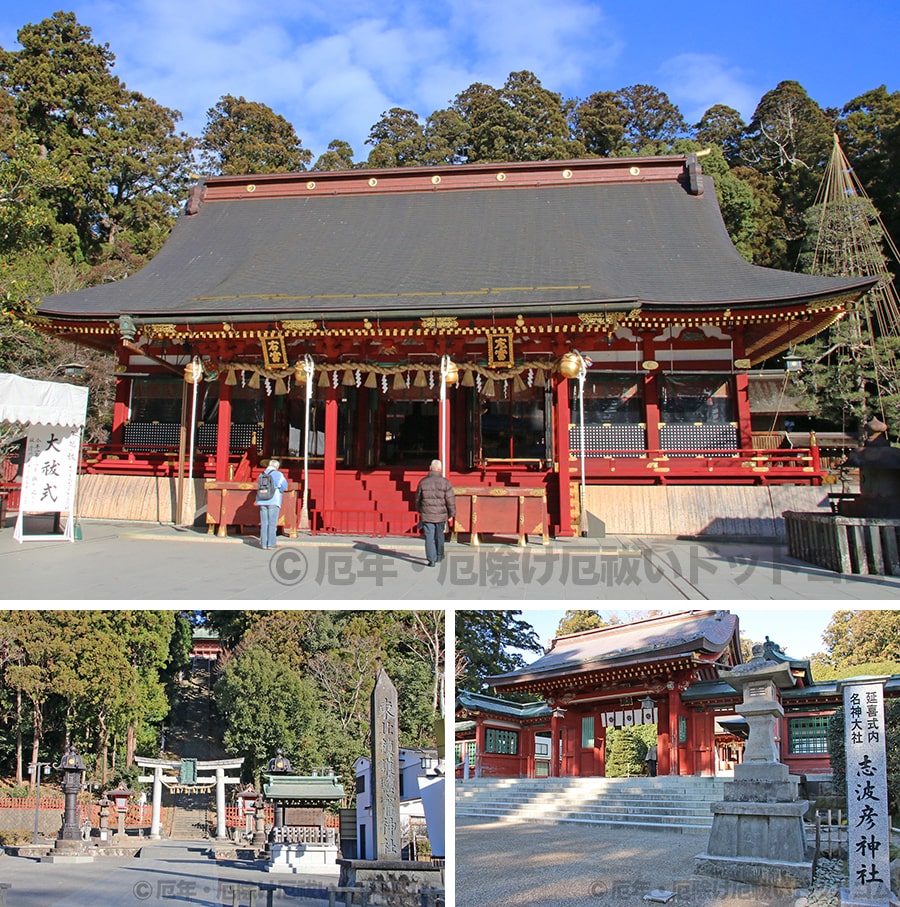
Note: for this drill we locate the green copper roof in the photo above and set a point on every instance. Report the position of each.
(302, 787)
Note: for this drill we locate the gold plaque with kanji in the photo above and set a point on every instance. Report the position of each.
(274, 351)
(500, 350)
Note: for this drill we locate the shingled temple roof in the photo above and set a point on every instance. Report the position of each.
(575, 236)
(702, 635)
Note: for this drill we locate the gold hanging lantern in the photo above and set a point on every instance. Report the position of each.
(193, 372)
(570, 365)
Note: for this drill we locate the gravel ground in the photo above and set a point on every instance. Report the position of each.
(518, 865)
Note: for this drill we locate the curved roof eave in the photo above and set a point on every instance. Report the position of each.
(651, 244)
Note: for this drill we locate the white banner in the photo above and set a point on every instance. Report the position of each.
(51, 469)
(629, 717)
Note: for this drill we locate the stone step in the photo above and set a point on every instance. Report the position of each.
(681, 804)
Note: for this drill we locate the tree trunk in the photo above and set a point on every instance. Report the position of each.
(103, 750)
(19, 776)
(35, 745)
(130, 746)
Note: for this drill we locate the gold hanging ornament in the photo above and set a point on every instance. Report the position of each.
(193, 372)
(570, 365)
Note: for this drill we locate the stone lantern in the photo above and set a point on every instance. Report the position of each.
(72, 767)
(247, 799)
(119, 797)
(758, 833)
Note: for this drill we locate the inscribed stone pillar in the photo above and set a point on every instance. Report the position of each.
(156, 802)
(221, 830)
(867, 795)
(385, 770)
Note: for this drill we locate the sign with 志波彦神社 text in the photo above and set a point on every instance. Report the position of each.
(867, 797)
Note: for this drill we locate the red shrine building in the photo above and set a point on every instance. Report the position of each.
(565, 331)
(663, 671)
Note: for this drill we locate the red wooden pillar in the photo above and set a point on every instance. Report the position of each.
(223, 430)
(555, 720)
(675, 715)
(526, 752)
(663, 748)
(651, 396)
(742, 397)
(120, 410)
(651, 409)
(329, 465)
(742, 402)
(561, 453)
(479, 747)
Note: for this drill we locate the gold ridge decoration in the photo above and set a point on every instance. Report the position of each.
(607, 320)
(440, 323)
(159, 331)
(299, 324)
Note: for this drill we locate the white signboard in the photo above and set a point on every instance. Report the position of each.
(867, 797)
(49, 475)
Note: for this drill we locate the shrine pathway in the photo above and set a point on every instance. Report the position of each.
(166, 872)
(134, 561)
(521, 865)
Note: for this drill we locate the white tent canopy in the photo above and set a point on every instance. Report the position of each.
(42, 402)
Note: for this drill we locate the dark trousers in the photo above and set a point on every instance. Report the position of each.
(434, 541)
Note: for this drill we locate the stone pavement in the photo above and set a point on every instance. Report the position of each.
(522, 865)
(141, 561)
(170, 873)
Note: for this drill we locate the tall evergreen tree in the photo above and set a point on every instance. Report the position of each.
(242, 137)
(491, 642)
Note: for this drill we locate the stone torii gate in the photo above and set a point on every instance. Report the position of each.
(184, 776)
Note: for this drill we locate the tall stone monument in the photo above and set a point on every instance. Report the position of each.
(757, 834)
(867, 803)
(388, 879)
(385, 742)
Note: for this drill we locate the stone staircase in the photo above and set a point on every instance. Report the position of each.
(191, 818)
(664, 803)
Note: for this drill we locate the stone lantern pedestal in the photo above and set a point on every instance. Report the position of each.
(69, 846)
(758, 834)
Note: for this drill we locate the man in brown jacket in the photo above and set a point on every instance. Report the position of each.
(436, 505)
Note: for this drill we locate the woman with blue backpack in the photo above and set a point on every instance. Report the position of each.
(272, 484)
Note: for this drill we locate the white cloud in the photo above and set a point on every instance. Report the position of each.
(698, 81)
(332, 76)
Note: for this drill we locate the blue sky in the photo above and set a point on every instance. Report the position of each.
(332, 70)
(797, 630)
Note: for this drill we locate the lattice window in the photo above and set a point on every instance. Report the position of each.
(497, 740)
(808, 734)
(698, 437)
(600, 439)
(587, 731)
